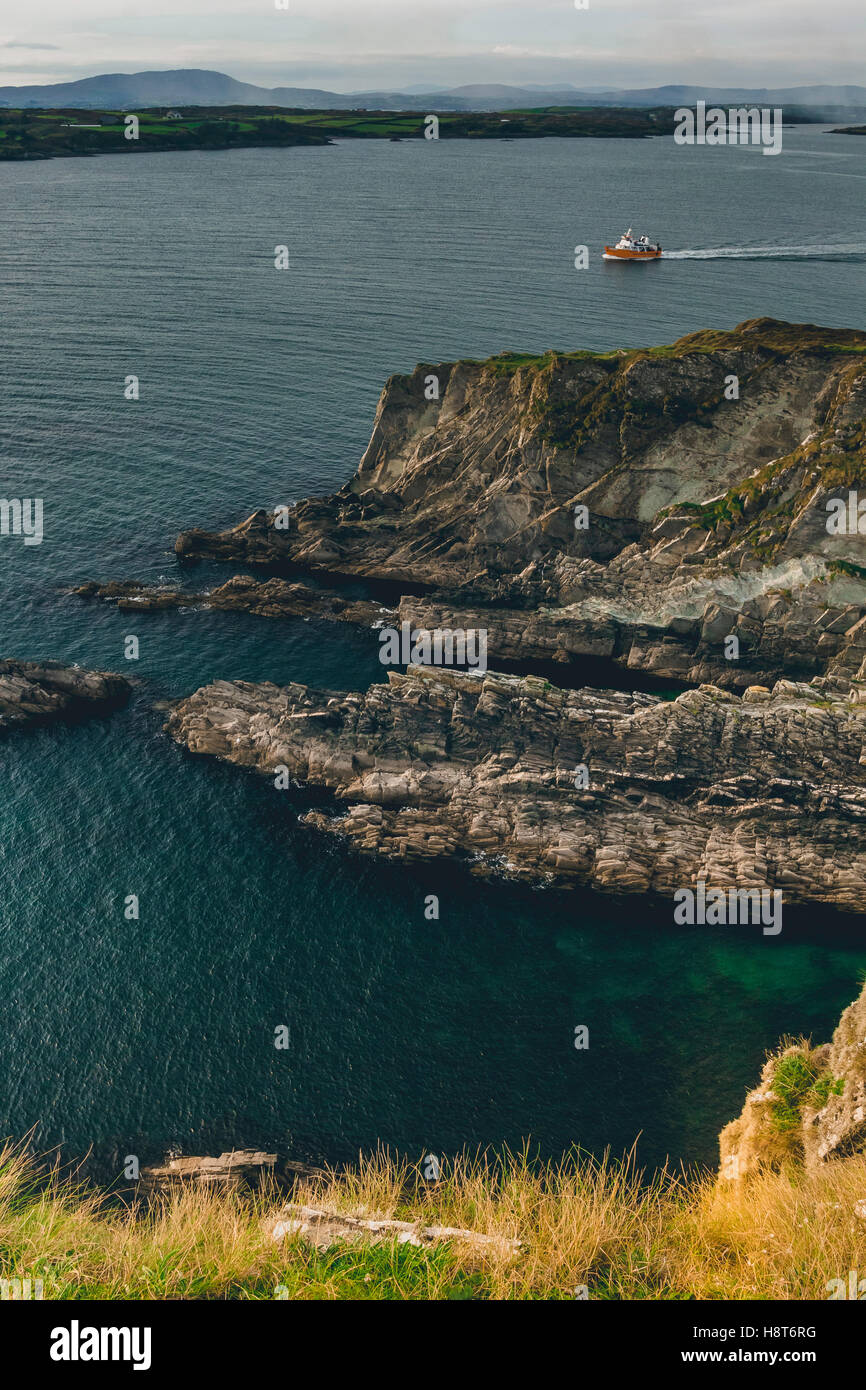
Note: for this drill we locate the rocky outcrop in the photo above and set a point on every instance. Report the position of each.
(237, 1168)
(271, 598)
(704, 517)
(803, 635)
(44, 692)
(809, 1108)
(628, 793)
(838, 1126)
(470, 488)
(666, 509)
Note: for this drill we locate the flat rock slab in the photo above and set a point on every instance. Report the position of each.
(229, 1170)
(270, 598)
(324, 1228)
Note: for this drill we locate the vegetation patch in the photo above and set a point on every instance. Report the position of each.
(587, 1228)
(799, 1082)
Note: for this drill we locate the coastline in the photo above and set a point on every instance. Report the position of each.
(38, 133)
(750, 780)
(245, 1225)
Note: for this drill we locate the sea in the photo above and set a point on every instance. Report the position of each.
(257, 387)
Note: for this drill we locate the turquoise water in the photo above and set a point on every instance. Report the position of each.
(259, 387)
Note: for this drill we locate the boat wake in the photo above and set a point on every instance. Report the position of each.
(854, 251)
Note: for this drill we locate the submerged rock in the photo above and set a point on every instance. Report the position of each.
(629, 793)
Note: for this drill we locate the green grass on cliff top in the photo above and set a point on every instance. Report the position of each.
(773, 335)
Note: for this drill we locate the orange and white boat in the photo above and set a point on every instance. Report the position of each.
(633, 248)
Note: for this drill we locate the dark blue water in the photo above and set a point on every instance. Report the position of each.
(259, 387)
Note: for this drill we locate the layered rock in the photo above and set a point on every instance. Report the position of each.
(809, 1108)
(43, 692)
(665, 509)
(270, 598)
(763, 791)
(647, 506)
(803, 634)
(234, 1169)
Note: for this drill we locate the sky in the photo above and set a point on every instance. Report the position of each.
(356, 45)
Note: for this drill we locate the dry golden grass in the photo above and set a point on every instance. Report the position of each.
(783, 1235)
(581, 1223)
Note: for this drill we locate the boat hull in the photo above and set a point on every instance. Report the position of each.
(611, 253)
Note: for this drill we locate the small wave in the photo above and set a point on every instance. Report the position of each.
(847, 252)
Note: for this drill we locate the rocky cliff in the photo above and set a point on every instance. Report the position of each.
(667, 509)
(643, 506)
(629, 793)
(809, 1108)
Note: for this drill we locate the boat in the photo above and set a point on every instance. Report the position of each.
(633, 248)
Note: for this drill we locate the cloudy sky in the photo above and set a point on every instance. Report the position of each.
(351, 45)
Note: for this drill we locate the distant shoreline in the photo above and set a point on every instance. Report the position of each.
(36, 133)
(28, 133)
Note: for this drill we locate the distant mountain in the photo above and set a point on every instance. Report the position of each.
(198, 87)
(723, 96)
(185, 86)
(495, 94)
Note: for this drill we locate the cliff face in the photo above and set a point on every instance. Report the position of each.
(767, 791)
(809, 1108)
(699, 477)
(644, 505)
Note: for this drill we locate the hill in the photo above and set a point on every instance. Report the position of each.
(200, 87)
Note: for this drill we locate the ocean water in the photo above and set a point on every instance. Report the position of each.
(259, 387)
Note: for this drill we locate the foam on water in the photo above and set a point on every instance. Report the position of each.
(848, 251)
